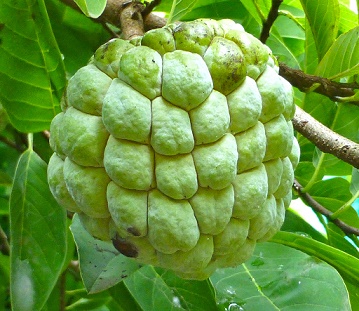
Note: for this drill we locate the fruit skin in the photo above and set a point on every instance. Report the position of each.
(178, 146)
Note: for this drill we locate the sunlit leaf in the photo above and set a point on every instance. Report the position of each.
(91, 8)
(346, 51)
(38, 235)
(32, 76)
(347, 265)
(280, 278)
(323, 22)
(179, 9)
(165, 291)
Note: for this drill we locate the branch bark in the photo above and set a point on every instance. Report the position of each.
(268, 23)
(325, 139)
(348, 230)
(305, 82)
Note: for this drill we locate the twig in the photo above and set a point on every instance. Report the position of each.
(150, 6)
(113, 14)
(4, 243)
(322, 210)
(325, 139)
(12, 144)
(305, 82)
(268, 23)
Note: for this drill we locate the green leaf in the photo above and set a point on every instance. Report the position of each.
(354, 185)
(278, 277)
(102, 266)
(91, 8)
(179, 9)
(32, 76)
(165, 291)
(346, 50)
(323, 22)
(78, 37)
(38, 235)
(347, 265)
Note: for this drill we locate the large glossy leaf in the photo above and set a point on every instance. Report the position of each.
(323, 22)
(32, 75)
(38, 235)
(78, 37)
(91, 8)
(280, 278)
(347, 265)
(102, 266)
(179, 9)
(346, 51)
(161, 290)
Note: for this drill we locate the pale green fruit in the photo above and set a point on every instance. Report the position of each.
(171, 129)
(172, 225)
(87, 139)
(251, 146)
(255, 53)
(57, 184)
(210, 120)
(235, 233)
(279, 138)
(176, 176)
(160, 39)
(178, 147)
(274, 169)
(126, 113)
(277, 95)
(87, 89)
(193, 37)
(245, 105)
(129, 164)
(213, 209)
(87, 186)
(286, 180)
(226, 64)
(186, 79)
(128, 209)
(141, 67)
(250, 192)
(108, 56)
(264, 220)
(191, 261)
(97, 227)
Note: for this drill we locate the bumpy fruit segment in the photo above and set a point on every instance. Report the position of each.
(178, 146)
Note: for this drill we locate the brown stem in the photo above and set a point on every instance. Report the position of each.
(4, 243)
(325, 139)
(114, 12)
(304, 82)
(268, 23)
(62, 287)
(322, 210)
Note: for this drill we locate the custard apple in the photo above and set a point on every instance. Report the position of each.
(178, 146)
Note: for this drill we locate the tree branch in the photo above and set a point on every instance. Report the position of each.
(268, 23)
(126, 14)
(325, 139)
(322, 210)
(305, 82)
(4, 243)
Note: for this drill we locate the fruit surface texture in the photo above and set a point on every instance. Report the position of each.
(178, 146)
